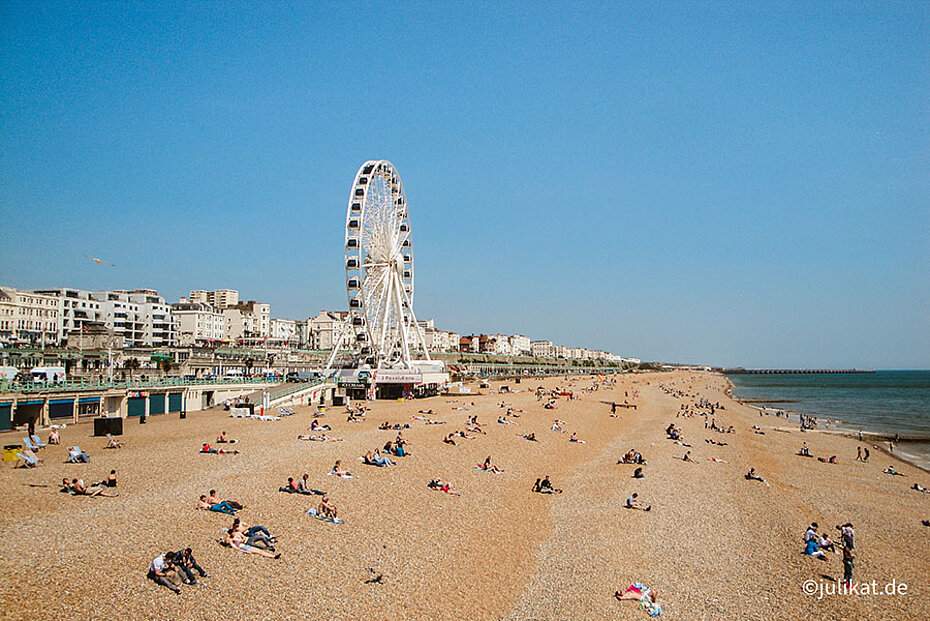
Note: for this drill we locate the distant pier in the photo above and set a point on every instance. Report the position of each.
(790, 371)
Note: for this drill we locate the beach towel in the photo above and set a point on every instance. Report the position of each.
(344, 476)
(316, 514)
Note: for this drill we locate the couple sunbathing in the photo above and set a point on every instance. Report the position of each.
(374, 458)
(237, 540)
(213, 503)
(206, 448)
(439, 485)
(78, 488)
(299, 487)
(318, 438)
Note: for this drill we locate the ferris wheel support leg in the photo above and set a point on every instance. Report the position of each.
(403, 331)
(336, 345)
(388, 300)
(416, 325)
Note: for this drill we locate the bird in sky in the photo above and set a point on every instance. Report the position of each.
(99, 261)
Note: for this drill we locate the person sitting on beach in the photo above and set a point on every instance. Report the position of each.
(448, 440)
(890, 470)
(812, 548)
(632, 502)
(162, 571)
(76, 455)
(439, 485)
(489, 467)
(291, 486)
(385, 426)
(638, 473)
(316, 426)
(544, 486)
(752, 476)
(339, 472)
(303, 487)
(530, 436)
(805, 452)
(236, 541)
(110, 481)
(574, 438)
(503, 420)
(374, 458)
(327, 509)
(557, 426)
(920, 488)
(222, 439)
(206, 448)
(53, 437)
(825, 543)
(221, 507)
(688, 458)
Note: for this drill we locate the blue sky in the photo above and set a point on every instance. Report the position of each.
(725, 183)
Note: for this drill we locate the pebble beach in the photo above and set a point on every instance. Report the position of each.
(714, 545)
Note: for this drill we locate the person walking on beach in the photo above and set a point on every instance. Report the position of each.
(866, 458)
(859, 454)
(848, 565)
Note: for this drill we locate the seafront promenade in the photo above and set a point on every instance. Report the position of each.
(714, 545)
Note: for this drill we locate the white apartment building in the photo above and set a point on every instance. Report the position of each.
(520, 345)
(542, 349)
(500, 345)
(218, 298)
(284, 331)
(324, 329)
(27, 316)
(198, 323)
(138, 318)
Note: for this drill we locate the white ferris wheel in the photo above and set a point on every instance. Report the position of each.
(381, 329)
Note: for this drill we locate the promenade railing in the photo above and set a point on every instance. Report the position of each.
(129, 384)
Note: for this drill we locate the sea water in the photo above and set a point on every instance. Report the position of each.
(887, 402)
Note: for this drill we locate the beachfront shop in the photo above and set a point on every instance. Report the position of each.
(391, 384)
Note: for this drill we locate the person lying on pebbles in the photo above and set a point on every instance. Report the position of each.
(647, 597)
(917, 487)
(206, 448)
(339, 472)
(544, 486)
(439, 485)
(319, 438)
(236, 541)
(221, 507)
(449, 440)
(890, 470)
(529, 436)
(78, 488)
(714, 442)
(258, 531)
(632, 502)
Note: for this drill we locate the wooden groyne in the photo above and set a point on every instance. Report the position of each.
(791, 371)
